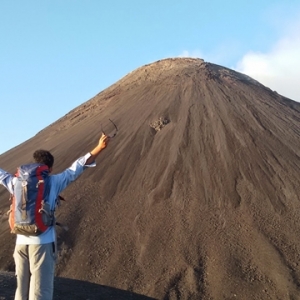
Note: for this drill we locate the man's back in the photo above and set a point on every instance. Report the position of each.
(35, 255)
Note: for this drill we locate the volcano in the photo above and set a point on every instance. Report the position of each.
(196, 197)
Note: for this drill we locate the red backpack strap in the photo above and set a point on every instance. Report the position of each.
(40, 195)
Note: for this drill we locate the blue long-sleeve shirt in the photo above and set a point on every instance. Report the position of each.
(58, 183)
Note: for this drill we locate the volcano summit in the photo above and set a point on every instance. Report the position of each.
(197, 197)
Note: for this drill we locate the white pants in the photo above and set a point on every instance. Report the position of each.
(35, 265)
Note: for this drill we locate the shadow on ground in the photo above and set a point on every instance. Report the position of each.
(66, 289)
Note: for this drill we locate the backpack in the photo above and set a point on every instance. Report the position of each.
(30, 212)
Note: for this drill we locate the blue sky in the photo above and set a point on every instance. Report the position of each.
(55, 55)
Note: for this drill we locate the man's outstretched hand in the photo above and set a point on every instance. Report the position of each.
(103, 141)
(102, 144)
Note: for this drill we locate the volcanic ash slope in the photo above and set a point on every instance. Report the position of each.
(197, 197)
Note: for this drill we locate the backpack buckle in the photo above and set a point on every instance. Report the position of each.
(39, 182)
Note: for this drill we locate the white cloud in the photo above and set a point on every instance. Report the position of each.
(193, 54)
(279, 68)
(217, 56)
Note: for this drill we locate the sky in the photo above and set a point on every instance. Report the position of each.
(56, 55)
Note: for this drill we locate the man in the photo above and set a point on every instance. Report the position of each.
(35, 255)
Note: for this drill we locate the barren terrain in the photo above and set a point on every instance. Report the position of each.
(197, 197)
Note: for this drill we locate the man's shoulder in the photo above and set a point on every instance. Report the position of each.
(53, 179)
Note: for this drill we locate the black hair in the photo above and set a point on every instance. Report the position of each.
(43, 157)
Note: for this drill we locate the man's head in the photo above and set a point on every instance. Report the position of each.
(44, 157)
